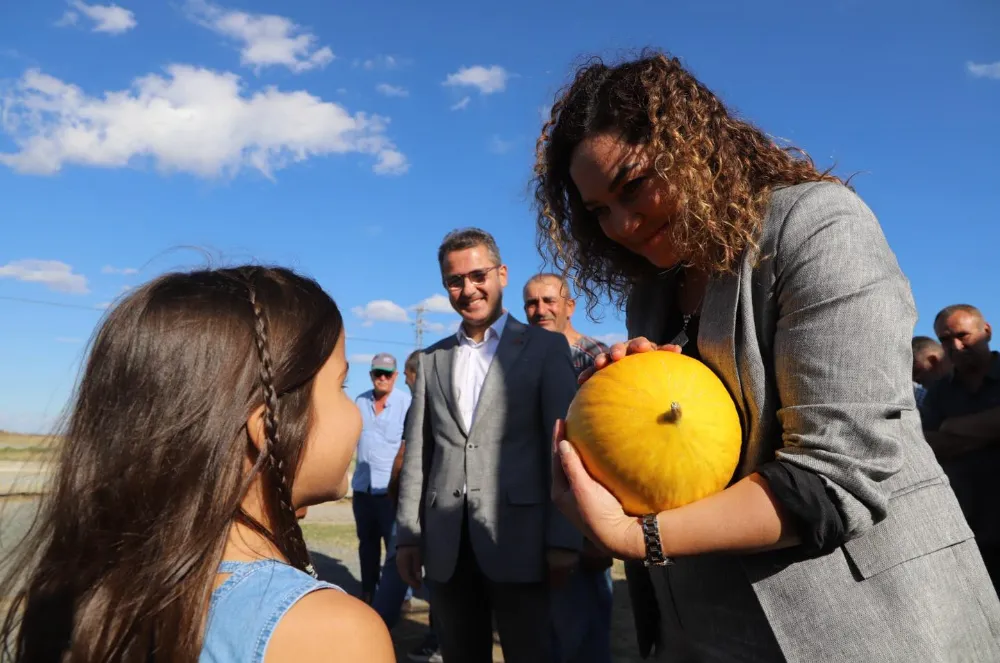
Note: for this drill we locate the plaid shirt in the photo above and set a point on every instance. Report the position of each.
(584, 352)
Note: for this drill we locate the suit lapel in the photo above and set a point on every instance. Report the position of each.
(717, 334)
(511, 345)
(444, 366)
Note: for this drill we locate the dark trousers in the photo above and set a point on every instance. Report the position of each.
(374, 516)
(465, 605)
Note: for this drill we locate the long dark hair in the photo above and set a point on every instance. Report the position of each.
(721, 169)
(152, 471)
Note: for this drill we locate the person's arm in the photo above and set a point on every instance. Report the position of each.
(397, 467)
(983, 425)
(950, 437)
(558, 387)
(329, 626)
(411, 474)
(842, 365)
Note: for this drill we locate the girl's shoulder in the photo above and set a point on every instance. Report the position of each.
(259, 603)
(331, 626)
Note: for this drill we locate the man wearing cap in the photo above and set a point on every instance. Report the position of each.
(383, 411)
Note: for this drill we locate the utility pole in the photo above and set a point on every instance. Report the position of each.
(418, 325)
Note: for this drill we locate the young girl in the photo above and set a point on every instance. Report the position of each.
(211, 408)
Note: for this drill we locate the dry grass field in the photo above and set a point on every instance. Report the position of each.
(18, 447)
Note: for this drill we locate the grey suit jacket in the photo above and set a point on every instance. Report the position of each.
(505, 460)
(811, 337)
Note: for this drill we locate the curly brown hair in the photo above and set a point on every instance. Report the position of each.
(721, 170)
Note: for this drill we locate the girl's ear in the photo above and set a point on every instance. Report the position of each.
(255, 427)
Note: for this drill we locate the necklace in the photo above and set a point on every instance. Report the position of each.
(682, 338)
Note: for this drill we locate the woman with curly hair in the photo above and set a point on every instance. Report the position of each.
(838, 538)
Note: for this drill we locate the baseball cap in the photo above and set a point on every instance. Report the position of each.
(384, 361)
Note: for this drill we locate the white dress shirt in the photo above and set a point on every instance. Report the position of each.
(472, 361)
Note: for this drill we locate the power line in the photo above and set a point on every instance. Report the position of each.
(39, 302)
(99, 309)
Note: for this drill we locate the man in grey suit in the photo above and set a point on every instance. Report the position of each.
(474, 507)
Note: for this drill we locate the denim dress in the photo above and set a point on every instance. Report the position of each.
(246, 608)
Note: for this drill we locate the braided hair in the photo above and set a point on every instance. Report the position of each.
(287, 522)
(151, 470)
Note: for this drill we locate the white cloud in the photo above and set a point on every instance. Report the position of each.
(500, 146)
(378, 62)
(55, 275)
(123, 271)
(435, 327)
(190, 120)
(111, 19)
(612, 338)
(435, 304)
(486, 79)
(545, 112)
(68, 18)
(462, 104)
(990, 70)
(380, 310)
(391, 162)
(361, 359)
(392, 90)
(265, 39)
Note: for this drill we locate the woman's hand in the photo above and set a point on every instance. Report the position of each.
(589, 505)
(619, 351)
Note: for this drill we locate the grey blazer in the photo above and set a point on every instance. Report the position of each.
(813, 343)
(505, 460)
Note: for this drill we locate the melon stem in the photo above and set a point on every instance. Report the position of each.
(673, 415)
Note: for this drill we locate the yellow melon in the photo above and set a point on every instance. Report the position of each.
(657, 429)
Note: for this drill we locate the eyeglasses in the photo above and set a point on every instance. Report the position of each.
(476, 277)
(382, 374)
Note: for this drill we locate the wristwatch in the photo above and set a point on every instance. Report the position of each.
(654, 546)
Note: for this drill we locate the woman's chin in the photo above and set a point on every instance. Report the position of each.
(662, 260)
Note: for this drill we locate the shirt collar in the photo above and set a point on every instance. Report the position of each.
(496, 329)
(388, 399)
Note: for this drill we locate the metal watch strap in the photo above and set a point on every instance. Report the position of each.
(654, 547)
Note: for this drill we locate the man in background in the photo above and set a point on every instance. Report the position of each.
(580, 610)
(930, 364)
(392, 590)
(383, 412)
(549, 305)
(961, 419)
(475, 508)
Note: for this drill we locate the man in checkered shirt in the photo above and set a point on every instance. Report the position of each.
(581, 610)
(548, 304)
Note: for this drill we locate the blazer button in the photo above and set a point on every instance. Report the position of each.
(457, 493)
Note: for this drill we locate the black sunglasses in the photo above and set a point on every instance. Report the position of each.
(382, 374)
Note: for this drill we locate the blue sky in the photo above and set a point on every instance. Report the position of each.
(345, 139)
